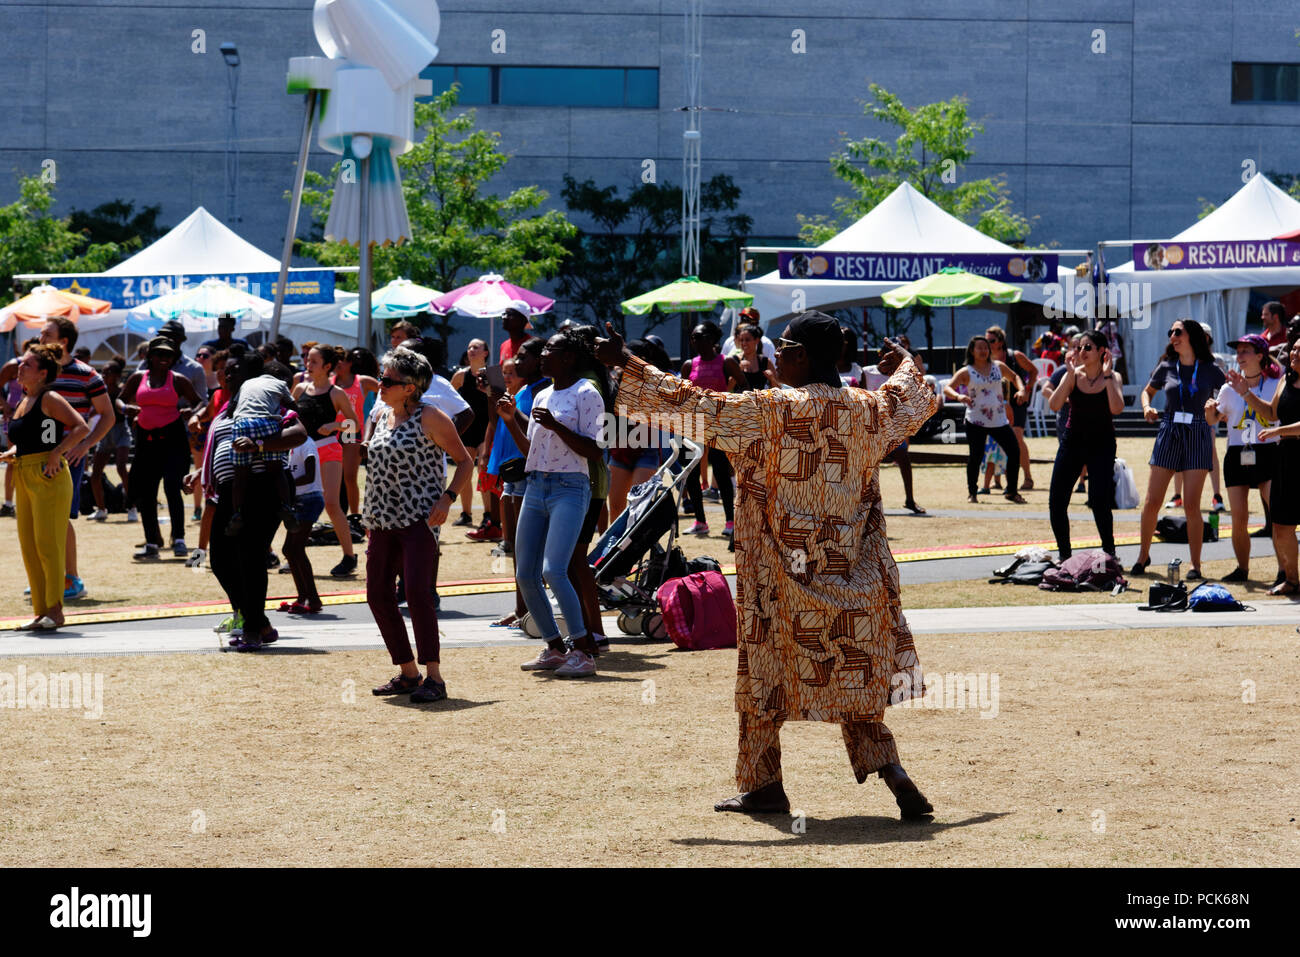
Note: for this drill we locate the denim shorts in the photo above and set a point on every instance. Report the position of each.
(516, 488)
(308, 507)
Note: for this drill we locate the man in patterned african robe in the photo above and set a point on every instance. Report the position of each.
(822, 635)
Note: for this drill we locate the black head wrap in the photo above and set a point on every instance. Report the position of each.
(821, 336)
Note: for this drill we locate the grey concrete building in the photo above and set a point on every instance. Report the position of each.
(1108, 118)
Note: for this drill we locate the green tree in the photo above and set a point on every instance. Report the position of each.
(458, 229)
(635, 244)
(31, 240)
(117, 222)
(929, 152)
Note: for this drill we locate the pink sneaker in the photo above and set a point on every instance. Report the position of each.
(547, 660)
(578, 664)
(729, 529)
(699, 528)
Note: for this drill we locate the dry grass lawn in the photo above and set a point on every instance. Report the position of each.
(1131, 749)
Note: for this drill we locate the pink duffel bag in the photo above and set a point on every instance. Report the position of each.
(698, 611)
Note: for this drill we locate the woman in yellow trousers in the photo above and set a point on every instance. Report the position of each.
(43, 428)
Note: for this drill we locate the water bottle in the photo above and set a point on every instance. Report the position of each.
(1173, 572)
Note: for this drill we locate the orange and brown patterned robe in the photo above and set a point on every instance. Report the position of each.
(822, 635)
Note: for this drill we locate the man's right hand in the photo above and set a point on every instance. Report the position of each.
(612, 351)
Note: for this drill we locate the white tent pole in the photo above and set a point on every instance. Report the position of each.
(363, 302)
(294, 205)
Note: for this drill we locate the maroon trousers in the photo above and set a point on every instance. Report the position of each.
(413, 551)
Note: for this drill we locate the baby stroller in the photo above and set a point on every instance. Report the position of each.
(628, 561)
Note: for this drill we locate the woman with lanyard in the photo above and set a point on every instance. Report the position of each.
(1250, 460)
(235, 559)
(162, 446)
(1284, 493)
(326, 411)
(560, 441)
(405, 497)
(1185, 443)
(506, 455)
(43, 428)
(357, 386)
(985, 414)
(1094, 392)
(710, 370)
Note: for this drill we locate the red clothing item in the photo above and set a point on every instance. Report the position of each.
(508, 348)
(1276, 338)
(158, 406)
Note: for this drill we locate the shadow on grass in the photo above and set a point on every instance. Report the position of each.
(840, 831)
(450, 703)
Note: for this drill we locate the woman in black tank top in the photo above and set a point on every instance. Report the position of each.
(43, 429)
(754, 366)
(1094, 391)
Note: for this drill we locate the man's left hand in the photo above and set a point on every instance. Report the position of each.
(612, 351)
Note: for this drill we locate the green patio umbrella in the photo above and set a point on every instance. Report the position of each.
(951, 287)
(687, 294)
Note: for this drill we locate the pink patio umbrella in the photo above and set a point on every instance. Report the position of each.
(488, 298)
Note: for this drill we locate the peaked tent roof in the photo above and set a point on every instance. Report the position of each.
(1259, 210)
(198, 244)
(905, 221)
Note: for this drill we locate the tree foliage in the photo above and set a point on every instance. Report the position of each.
(117, 222)
(459, 230)
(31, 240)
(635, 242)
(929, 152)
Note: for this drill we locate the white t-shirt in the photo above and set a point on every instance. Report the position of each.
(580, 408)
(1242, 421)
(852, 377)
(729, 348)
(298, 458)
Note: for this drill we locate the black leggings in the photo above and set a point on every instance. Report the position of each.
(1070, 461)
(721, 466)
(239, 561)
(161, 455)
(977, 437)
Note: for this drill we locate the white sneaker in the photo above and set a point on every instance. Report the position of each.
(547, 660)
(101, 515)
(577, 664)
(132, 515)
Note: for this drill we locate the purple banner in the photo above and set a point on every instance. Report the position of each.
(818, 264)
(1232, 254)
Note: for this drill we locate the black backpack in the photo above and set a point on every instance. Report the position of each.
(1022, 572)
(1173, 528)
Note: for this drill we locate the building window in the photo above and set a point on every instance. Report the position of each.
(616, 87)
(1266, 83)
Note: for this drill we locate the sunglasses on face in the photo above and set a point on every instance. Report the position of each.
(1175, 332)
(787, 344)
(1085, 348)
(387, 381)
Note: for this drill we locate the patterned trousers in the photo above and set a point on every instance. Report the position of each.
(869, 743)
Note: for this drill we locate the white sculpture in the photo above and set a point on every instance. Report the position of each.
(364, 90)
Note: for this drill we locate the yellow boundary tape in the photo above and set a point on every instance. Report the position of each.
(507, 585)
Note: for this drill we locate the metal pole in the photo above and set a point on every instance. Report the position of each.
(295, 205)
(363, 301)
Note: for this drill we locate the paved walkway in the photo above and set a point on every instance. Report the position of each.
(350, 627)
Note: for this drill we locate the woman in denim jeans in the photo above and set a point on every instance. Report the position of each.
(560, 441)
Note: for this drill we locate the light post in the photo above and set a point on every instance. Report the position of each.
(231, 56)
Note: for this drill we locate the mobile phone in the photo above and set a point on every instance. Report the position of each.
(496, 379)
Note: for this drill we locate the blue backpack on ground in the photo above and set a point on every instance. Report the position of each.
(1212, 596)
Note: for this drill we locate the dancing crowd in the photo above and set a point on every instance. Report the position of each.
(263, 438)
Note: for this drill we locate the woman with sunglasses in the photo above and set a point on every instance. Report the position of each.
(986, 414)
(407, 496)
(1185, 443)
(1094, 393)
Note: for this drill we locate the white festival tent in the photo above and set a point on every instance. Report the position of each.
(200, 244)
(1218, 296)
(904, 222)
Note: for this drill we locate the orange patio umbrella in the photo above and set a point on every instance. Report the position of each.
(46, 302)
